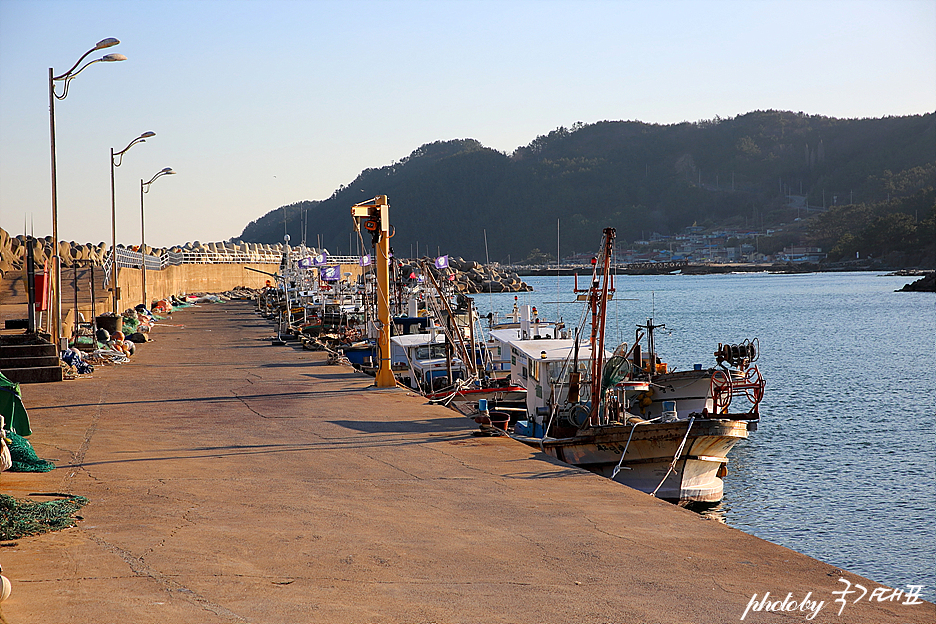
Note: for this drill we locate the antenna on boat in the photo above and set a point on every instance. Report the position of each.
(487, 259)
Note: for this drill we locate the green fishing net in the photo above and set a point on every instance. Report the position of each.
(24, 457)
(129, 325)
(21, 518)
(615, 370)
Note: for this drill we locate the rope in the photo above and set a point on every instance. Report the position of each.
(676, 457)
(459, 385)
(618, 468)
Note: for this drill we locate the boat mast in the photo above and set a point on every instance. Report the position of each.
(471, 338)
(598, 300)
(453, 328)
(574, 375)
(651, 346)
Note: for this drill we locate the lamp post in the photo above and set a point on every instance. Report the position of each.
(65, 79)
(116, 159)
(144, 188)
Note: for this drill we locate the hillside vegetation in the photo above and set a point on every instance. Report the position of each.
(861, 185)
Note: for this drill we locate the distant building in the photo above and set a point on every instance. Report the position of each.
(801, 254)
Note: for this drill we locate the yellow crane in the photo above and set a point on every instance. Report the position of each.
(374, 217)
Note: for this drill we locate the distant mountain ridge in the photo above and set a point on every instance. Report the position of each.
(635, 176)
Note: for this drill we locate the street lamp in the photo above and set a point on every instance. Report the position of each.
(144, 188)
(65, 79)
(116, 160)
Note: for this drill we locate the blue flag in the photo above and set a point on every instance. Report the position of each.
(365, 260)
(331, 273)
(441, 262)
(321, 259)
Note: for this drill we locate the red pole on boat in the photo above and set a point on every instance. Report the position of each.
(599, 304)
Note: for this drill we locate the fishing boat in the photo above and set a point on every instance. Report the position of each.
(623, 413)
(419, 361)
(460, 371)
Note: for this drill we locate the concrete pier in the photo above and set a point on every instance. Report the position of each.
(234, 481)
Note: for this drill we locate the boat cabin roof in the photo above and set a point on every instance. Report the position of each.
(512, 332)
(410, 340)
(556, 350)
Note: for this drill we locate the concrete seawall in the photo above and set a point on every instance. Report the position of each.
(234, 481)
(172, 280)
(188, 278)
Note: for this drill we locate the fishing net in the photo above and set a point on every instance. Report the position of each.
(130, 325)
(24, 457)
(20, 518)
(615, 370)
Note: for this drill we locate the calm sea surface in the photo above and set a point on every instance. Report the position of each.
(842, 466)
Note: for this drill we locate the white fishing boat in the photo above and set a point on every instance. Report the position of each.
(420, 361)
(624, 414)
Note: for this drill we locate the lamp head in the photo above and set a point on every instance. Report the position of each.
(167, 171)
(147, 135)
(106, 43)
(107, 58)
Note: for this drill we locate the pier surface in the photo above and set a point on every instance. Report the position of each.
(235, 481)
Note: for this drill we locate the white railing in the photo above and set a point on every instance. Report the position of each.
(134, 259)
(174, 258)
(344, 260)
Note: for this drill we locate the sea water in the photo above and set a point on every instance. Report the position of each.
(842, 465)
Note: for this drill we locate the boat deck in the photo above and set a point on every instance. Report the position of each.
(234, 481)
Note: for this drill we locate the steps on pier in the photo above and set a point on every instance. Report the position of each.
(27, 358)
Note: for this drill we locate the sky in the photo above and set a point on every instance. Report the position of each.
(259, 104)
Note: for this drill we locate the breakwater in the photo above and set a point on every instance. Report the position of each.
(13, 251)
(468, 276)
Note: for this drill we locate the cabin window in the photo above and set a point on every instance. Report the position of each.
(523, 372)
(583, 369)
(430, 352)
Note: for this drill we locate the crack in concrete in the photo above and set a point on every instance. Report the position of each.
(725, 589)
(465, 464)
(386, 463)
(245, 404)
(535, 544)
(286, 580)
(79, 455)
(608, 533)
(141, 569)
(172, 532)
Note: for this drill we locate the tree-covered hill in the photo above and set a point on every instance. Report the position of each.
(755, 170)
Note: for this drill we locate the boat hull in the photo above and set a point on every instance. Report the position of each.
(505, 394)
(650, 453)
